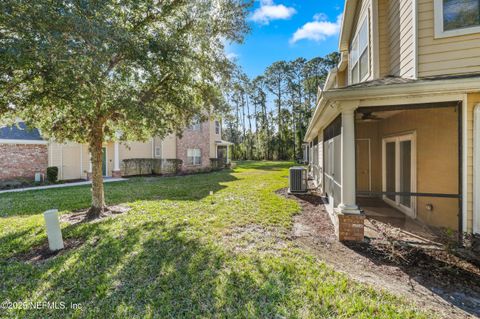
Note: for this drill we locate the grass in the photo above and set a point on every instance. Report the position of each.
(180, 253)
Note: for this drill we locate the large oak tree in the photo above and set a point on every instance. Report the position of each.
(82, 70)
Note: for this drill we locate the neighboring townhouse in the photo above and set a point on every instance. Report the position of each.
(24, 152)
(398, 120)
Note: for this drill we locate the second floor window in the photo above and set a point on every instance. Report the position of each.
(459, 14)
(456, 17)
(217, 127)
(359, 55)
(194, 156)
(196, 125)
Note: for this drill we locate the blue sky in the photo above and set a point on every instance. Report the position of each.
(287, 29)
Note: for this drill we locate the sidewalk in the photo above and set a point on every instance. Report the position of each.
(105, 180)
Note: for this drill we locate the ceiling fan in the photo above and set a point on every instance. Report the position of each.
(369, 117)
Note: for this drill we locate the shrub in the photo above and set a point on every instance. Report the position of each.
(52, 174)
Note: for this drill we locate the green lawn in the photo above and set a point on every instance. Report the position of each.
(180, 253)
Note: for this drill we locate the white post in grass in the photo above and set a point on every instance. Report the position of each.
(54, 233)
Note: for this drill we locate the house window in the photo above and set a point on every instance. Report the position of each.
(217, 127)
(158, 151)
(196, 125)
(456, 17)
(194, 156)
(359, 55)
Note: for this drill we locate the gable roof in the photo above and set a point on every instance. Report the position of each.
(20, 131)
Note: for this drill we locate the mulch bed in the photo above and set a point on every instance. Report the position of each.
(79, 216)
(443, 281)
(43, 253)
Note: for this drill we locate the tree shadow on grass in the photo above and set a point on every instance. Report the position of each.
(154, 270)
(191, 187)
(266, 165)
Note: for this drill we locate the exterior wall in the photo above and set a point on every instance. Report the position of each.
(214, 137)
(169, 146)
(22, 160)
(451, 55)
(195, 139)
(69, 158)
(437, 154)
(383, 38)
(364, 11)
(472, 101)
(401, 38)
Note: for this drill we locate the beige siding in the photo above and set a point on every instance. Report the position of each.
(401, 38)
(213, 137)
(68, 157)
(472, 101)
(169, 147)
(365, 12)
(451, 55)
(135, 150)
(383, 41)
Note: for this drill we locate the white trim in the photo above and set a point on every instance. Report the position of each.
(106, 160)
(415, 38)
(61, 161)
(27, 142)
(81, 160)
(476, 170)
(369, 162)
(439, 31)
(375, 42)
(351, 64)
(410, 211)
(464, 164)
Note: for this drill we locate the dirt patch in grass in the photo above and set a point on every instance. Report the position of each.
(42, 253)
(255, 238)
(79, 215)
(431, 277)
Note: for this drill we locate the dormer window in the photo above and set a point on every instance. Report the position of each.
(359, 55)
(456, 17)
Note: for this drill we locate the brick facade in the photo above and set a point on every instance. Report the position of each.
(22, 160)
(351, 227)
(195, 139)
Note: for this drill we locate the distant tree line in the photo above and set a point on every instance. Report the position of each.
(270, 113)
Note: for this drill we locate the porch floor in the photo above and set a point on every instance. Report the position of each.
(405, 229)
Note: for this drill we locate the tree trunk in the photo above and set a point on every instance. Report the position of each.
(98, 199)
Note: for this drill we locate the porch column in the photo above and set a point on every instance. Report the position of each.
(348, 195)
(227, 153)
(116, 161)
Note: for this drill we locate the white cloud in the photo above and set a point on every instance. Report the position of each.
(317, 30)
(269, 11)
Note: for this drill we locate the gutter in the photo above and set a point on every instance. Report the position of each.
(390, 90)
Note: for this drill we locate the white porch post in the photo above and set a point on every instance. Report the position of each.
(116, 160)
(348, 193)
(227, 154)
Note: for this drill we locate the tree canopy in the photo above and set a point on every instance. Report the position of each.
(278, 105)
(85, 70)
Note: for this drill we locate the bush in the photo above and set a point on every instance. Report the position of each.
(52, 174)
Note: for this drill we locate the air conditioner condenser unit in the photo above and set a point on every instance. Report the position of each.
(298, 180)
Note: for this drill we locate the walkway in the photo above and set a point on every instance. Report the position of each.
(105, 180)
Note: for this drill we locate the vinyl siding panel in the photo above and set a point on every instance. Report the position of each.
(364, 12)
(451, 55)
(135, 150)
(384, 39)
(401, 38)
(169, 145)
(472, 101)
